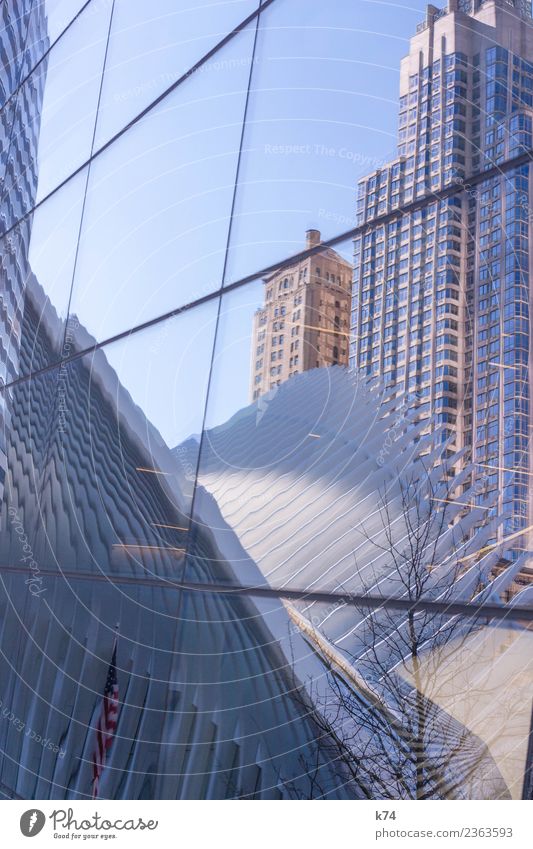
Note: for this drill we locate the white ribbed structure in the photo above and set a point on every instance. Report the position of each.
(303, 481)
(304, 478)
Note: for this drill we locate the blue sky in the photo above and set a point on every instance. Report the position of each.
(327, 94)
(322, 112)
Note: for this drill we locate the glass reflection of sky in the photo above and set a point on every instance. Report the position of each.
(155, 226)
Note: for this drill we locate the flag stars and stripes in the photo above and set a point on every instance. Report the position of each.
(107, 722)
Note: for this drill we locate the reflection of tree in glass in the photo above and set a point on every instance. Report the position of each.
(383, 707)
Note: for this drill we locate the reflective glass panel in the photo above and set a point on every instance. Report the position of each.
(36, 277)
(94, 527)
(321, 469)
(427, 706)
(281, 415)
(159, 199)
(46, 146)
(145, 395)
(151, 46)
(322, 113)
(89, 470)
(48, 20)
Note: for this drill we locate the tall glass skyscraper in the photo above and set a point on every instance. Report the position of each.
(189, 468)
(19, 137)
(441, 298)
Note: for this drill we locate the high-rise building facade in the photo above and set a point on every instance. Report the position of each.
(441, 295)
(304, 320)
(149, 202)
(23, 39)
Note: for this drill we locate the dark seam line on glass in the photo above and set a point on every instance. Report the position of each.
(150, 106)
(82, 214)
(419, 203)
(147, 109)
(14, 95)
(56, 389)
(452, 608)
(191, 536)
(45, 54)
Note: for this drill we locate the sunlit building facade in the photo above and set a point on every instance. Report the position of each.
(442, 295)
(304, 321)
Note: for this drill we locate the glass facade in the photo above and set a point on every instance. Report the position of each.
(441, 295)
(205, 456)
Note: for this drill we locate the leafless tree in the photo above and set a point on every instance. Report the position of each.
(383, 712)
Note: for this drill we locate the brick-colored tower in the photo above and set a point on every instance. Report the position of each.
(304, 321)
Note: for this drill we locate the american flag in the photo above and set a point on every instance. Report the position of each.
(107, 722)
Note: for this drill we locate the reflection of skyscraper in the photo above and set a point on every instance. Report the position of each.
(303, 323)
(313, 490)
(218, 689)
(212, 706)
(441, 296)
(13, 27)
(23, 37)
